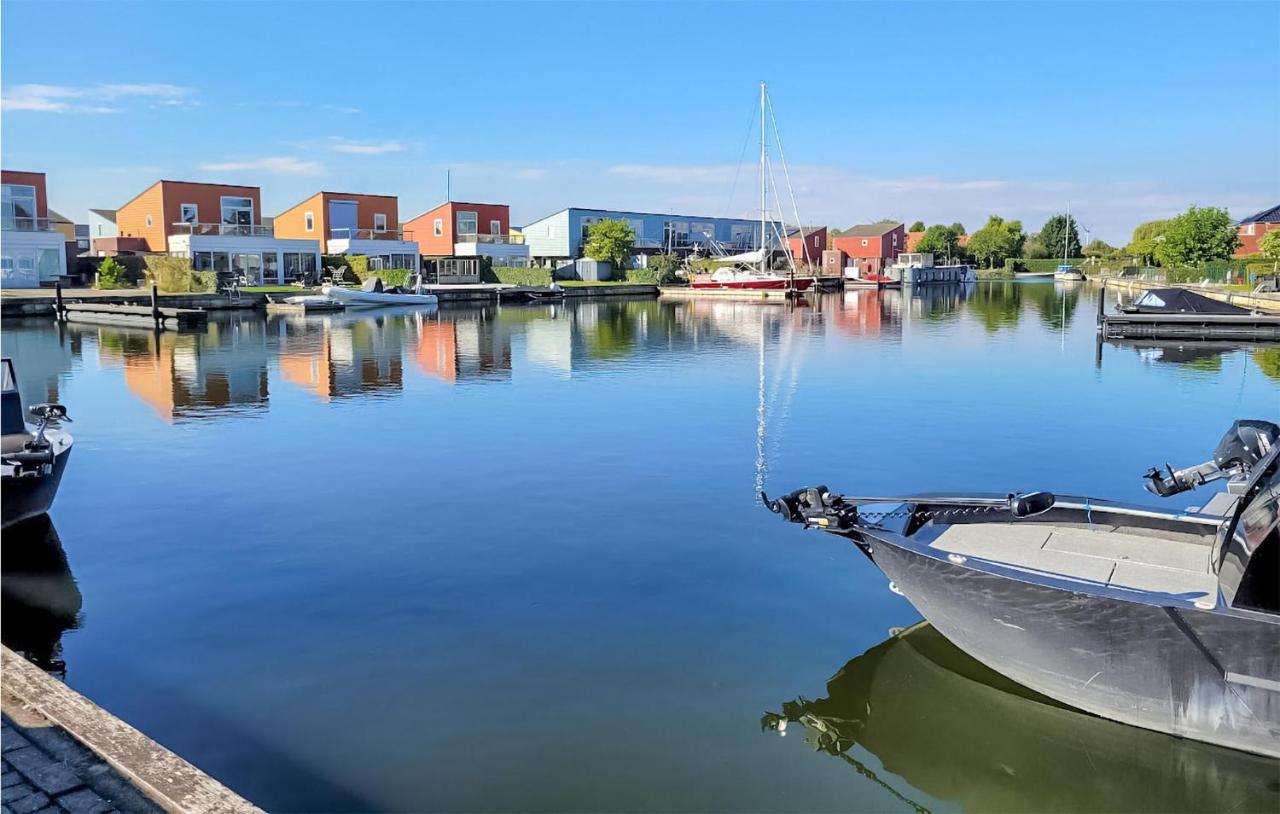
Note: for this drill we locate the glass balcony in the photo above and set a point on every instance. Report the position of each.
(224, 229)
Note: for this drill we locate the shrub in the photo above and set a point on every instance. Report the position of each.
(520, 275)
(663, 268)
(174, 275)
(110, 274)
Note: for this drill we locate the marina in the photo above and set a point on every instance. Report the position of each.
(377, 632)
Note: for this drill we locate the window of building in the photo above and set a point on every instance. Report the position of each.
(1248, 229)
(438, 227)
(190, 213)
(237, 211)
(866, 242)
(19, 205)
(309, 221)
(637, 226)
(379, 222)
(468, 223)
(587, 223)
(47, 262)
(495, 227)
(298, 265)
(148, 220)
(703, 232)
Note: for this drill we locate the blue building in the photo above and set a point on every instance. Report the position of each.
(562, 235)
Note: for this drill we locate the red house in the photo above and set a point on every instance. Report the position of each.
(460, 229)
(1252, 228)
(872, 246)
(807, 250)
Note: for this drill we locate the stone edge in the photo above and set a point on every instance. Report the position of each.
(173, 783)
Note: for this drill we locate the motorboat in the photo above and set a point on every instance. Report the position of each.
(373, 294)
(748, 279)
(1068, 273)
(1034, 275)
(32, 457)
(1163, 619)
(1178, 301)
(870, 280)
(944, 727)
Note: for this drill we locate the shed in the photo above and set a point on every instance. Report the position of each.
(593, 270)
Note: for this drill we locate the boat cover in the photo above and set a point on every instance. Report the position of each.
(1180, 301)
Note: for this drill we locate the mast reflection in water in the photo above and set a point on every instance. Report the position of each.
(945, 727)
(39, 598)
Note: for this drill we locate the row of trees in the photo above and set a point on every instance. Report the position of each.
(1199, 235)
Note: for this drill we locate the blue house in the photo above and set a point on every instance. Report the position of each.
(562, 235)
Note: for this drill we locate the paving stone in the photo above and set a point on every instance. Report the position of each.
(84, 802)
(29, 804)
(16, 792)
(9, 778)
(10, 740)
(48, 775)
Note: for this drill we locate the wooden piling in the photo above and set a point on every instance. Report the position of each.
(59, 312)
(1102, 303)
(155, 307)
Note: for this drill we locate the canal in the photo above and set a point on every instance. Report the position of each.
(500, 559)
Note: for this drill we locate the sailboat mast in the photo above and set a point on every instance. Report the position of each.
(763, 189)
(1066, 236)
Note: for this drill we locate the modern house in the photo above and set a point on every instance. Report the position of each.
(561, 236)
(219, 228)
(872, 246)
(460, 229)
(1252, 228)
(32, 252)
(349, 223)
(102, 223)
(806, 245)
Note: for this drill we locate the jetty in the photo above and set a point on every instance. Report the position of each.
(147, 316)
(1189, 325)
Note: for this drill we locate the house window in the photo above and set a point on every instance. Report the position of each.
(587, 223)
(703, 232)
(189, 213)
(237, 211)
(437, 228)
(467, 223)
(1248, 229)
(148, 219)
(309, 221)
(19, 206)
(379, 222)
(495, 227)
(866, 242)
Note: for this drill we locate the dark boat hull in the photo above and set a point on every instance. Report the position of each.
(22, 498)
(1207, 675)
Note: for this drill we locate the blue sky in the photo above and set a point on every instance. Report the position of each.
(940, 112)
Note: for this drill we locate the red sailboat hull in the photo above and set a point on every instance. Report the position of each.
(800, 284)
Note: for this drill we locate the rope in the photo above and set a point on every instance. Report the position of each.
(786, 173)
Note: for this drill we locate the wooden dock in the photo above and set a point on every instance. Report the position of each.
(304, 307)
(1243, 327)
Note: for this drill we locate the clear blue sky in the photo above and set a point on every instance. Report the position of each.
(941, 112)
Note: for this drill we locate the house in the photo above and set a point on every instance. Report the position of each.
(461, 229)
(32, 252)
(561, 235)
(913, 240)
(872, 246)
(349, 223)
(219, 228)
(1252, 228)
(807, 250)
(102, 223)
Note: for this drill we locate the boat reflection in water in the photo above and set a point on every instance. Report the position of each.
(39, 599)
(950, 729)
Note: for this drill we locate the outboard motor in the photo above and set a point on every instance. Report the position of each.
(1245, 444)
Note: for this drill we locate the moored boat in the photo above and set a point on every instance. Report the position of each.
(355, 297)
(32, 458)
(1068, 273)
(751, 280)
(1162, 619)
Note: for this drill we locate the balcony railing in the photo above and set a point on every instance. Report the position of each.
(370, 234)
(491, 238)
(223, 229)
(28, 225)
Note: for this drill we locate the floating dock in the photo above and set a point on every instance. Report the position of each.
(1245, 327)
(161, 319)
(304, 307)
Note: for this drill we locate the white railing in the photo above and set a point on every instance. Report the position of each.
(224, 229)
(490, 239)
(369, 234)
(28, 225)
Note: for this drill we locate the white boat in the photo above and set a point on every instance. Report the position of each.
(356, 298)
(309, 299)
(1065, 270)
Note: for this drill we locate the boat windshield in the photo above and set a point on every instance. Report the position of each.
(8, 382)
(1251, 554)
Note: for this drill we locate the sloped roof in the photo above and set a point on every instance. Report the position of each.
(108, 214)
(870, 229)
(808, 230)
(1271, 215)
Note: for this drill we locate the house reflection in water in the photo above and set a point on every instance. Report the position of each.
(338, 357)
(191, 375)
(867, 313)
(463, 346)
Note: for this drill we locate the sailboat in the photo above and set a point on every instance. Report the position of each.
(750, 271)
(1065, 270)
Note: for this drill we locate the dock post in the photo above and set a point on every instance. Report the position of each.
(1102, 299)
(59, 312)
(155, 306)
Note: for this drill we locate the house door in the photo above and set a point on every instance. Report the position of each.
(247, 268)
(342, 219)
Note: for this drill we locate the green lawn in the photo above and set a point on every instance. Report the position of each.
(274, 289)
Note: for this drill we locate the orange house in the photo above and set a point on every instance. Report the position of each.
(1251, 229)
(350, 223)
(460, 229)
(807, 250)
(219, 227)
(32, 252)
(872, 246)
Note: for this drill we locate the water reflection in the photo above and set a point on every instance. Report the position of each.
(944, 726)
(39, 598)
(1201, 357)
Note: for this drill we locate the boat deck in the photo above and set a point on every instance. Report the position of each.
(1177, 564)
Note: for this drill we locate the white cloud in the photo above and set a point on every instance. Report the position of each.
(93, 98)
(531, 174)
(276, 165)
(367, 147)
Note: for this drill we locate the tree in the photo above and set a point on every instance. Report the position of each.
(1269, 245)
(1146, 236)
(1099, 248)
(1034, 249)
(997, 241)
(610, 240)
(1057, 231)
(110, 274)
(918, 226)
(1197, 236)
(958, 228)
(941, 241)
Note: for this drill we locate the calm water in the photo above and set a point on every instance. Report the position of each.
(509, 559)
